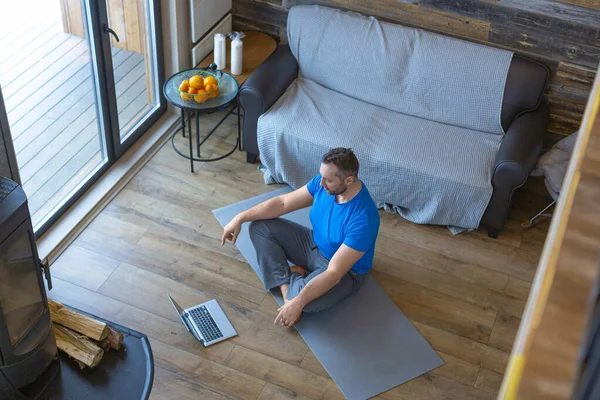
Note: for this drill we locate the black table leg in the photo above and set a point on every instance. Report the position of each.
(198, 134)
(183, 122)
(191, 146)
(188, 124)
(239, 125)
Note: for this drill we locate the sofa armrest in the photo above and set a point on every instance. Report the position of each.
(262, 89)
(519, 151)
(521, 148)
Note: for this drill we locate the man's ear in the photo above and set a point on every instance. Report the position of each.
(349, 179)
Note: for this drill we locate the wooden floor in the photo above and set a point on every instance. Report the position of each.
(464, 293)
(48, 90)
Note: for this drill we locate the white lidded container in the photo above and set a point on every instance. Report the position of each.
(237, 52)
(220, 51)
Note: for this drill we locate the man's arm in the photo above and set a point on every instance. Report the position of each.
(342, 261)
(272, 208)
(340, 264)
(278, 206)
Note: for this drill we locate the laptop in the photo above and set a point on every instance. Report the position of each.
(206, 321)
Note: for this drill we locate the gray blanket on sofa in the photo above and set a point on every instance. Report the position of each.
(424, 122)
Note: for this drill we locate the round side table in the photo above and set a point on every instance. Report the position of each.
(227, 100)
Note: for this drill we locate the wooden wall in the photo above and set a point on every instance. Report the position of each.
(125, 17)
(564, 35)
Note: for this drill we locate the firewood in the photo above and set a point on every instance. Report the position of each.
(77, 322)
(115, 337)
(77, 346)
(105, 344)
(80, 364)
(114, 340)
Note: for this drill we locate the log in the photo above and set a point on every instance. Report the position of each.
(105, 344)
(77, 322)
(115, 338)
(77, 346)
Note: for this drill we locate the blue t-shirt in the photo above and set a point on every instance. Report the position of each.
(355, 224)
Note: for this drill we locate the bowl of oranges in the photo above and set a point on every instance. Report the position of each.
(198, 85)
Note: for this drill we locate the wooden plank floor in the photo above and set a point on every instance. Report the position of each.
(464, 293)
(54, 125)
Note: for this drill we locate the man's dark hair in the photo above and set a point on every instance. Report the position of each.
(344, 159)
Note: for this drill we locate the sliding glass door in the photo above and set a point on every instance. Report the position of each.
(134, 74)
(75, 97)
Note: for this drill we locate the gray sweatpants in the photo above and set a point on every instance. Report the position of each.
(278, 240)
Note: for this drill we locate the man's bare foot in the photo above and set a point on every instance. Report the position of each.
(299, 270)
(284, 290)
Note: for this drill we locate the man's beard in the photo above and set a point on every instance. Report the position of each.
(341, 190)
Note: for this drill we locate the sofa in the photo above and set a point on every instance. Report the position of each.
(445, 129)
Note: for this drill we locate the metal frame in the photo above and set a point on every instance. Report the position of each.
(193, 110)
(535, 219)
(156, 53)
(199, 143)
(7, 142)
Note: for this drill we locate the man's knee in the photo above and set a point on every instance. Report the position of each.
(257, 228)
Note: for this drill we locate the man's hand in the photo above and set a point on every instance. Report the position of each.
(231, 231)
(289, 313)
(272, 208)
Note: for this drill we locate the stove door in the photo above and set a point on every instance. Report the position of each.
(22, 293)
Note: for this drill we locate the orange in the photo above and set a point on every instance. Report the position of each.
(197, 82)
(186, 82)
(191, 90)
(201, 97)
(211, 80)
(184, 87)
(185, 96)
(214, 93)
(209, 88)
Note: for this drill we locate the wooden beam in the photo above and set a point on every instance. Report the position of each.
(546, 24)
(64, 11)
(116, 21)
(576, 73)
(546, 357)
(414, 15)
(584, 3)
(264, 13)
(548, 45)
(133, 32)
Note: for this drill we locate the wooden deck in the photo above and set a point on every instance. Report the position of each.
(48, 89)
(464, 293)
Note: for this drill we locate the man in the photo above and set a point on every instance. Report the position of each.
(332, 260)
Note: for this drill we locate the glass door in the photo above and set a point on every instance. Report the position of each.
(134, 73)
(51, 84)
(75, 97)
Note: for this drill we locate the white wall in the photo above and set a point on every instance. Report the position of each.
(175, 17)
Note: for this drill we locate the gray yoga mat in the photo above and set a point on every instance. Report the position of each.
(365, 342)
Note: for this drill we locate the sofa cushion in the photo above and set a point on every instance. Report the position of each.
(427, 171)
(403, 69)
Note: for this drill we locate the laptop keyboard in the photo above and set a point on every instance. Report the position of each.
(206, 324)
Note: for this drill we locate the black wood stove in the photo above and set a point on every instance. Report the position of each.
(28, 354)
